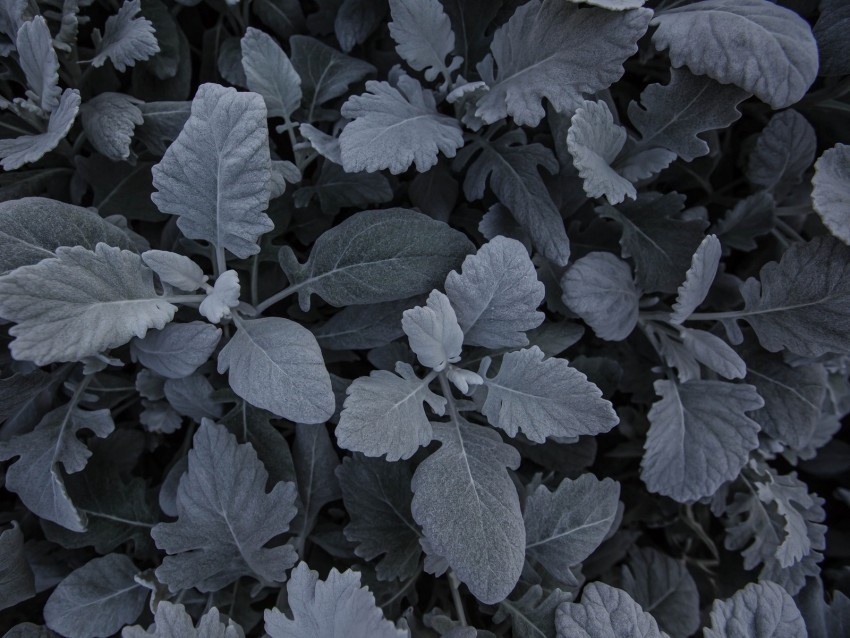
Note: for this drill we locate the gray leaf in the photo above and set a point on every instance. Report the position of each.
(714, 353)
(216, 175)
(733, 33)
(225, 518)
(163, 122)
(192, 396)
(532, 616)
(178, 349)
(109, 120)
(784, 150)
(831, 32)
(375, 256)
(16, 579)
(424, 36)
(172, 621)
(97, 599)
(315, 464)
(364, 327)
(176, 270)
(127, 38)
(831, 190)
(39, 63)
(276, 364)
(698, 279)
(433, 332)
(760, 610)
(270, 73)
(356, 20)
(699, 437)
(17, 151)
(606, 612)
(80, 303)
(750, 218)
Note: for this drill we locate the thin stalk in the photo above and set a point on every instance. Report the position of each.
(453, 585)
(280, 296)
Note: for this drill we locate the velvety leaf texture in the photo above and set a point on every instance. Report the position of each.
(423, 35)
(172, 621)
(760, 610)
(178, 349)
(39, 63)
(605, 611)
(17, 582)
(433, 332)
(698, 279)
(127, 38)
(831, 190)
(785, 149)
(269, 72)
(109, 120)
(17, 151)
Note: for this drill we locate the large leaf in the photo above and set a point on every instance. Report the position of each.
(225, 518)
(760, 610)
(831, 190)
(80, 303)
(172, 621)
(178, 349)
(270, 73)
(699, 437)
(276, 364)
(374, 256)
(39, 63)
(605, 612)
(127, 38)
(723, 38)
(216, 175)
(467, 505)
(393, 127)
(328, 608)
(534, 63)
(424, 36)
(17, 151)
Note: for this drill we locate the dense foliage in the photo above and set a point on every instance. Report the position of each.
(387, 318)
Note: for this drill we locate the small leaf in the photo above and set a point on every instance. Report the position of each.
(225, 518)
(17, 151)
(605, 611)
(270, 73)
(698, 279)
(831, 190)
(176, 270)
(16, 578)
(328, 607)
(276, 364)
(177, 350)
(192, 396)
(80, 303)
(127, 38)
(394, 127)
(424, 36)
(732, 33)
(433, 332)
(760, 610)
(172, 621)
(109, 120)
(714, 353)
(223, 296)
(784, 151)
(39, 63)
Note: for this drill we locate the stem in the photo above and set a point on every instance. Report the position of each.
(283, 294)
(184, 298)
(220, 261)
(782, 225)
(255, 271)
(402, 590)
(117, 519)
(454, 584)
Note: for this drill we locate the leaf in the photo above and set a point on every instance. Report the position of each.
(566, 526)
(831, 33)
(383, 414)
(224, 296)
(164, 64)
(656, 239)
(377, 497)
(784, 151)
(802, 303)
(178, 349)
(375, 256)
(543, 398)
(17, 151)
(225, 518)
(533, 62)
(127, 38)
(163, 122)
(600, 289)
(16, 578)
(109, 120)
(336, 189)
(172, 621)
(732, 33)
(356, 20)
(605, 611)
(325, 72)
(433, 332)
(39, 63)
(192, 396)
(793, 503)
(393, 127)
(363, 327)
(831, 190)
(96, 599)
(32, 228)
(511, 166)
(673, 115)
(496, 295)
(80, 303)
(176, 270)
(699, 437)
(216, 175)
(284, 17)
(663, 587)
(760, 610)
(467, 506)
(594, 141)
(698, 279)
(276, 364)
(532, 615)
(751, 217)
(270, 73)
(315, 464)
(424, 37)
(328, 607)
(714, 353)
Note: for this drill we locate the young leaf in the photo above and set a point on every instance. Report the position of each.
(80, 303)
(543, 398)
(383, 414)
(225, 518)
(109, 120)
(831, 190)
(172, 621)
(39, 63)
(566, 526)
(395, 126)
(533, 62)
(467, 505)
(375, 256)
(177, 350)
(96, 599)
(276, 364)
(176, 270)
(216, 175)
(731, 34)
(600, 289)
(17, 151)
(698, 279)
(760, 610)
(270, 73)
(433, 332)
(673, 115)
(328, 607)
(377, 497)
(699, 437)
(496, 295)
(16, 578)
(127, 38)
(32, 228)
(784, 150)
(224, 296)
(594, 141)
(605, 611)
(424, 37)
